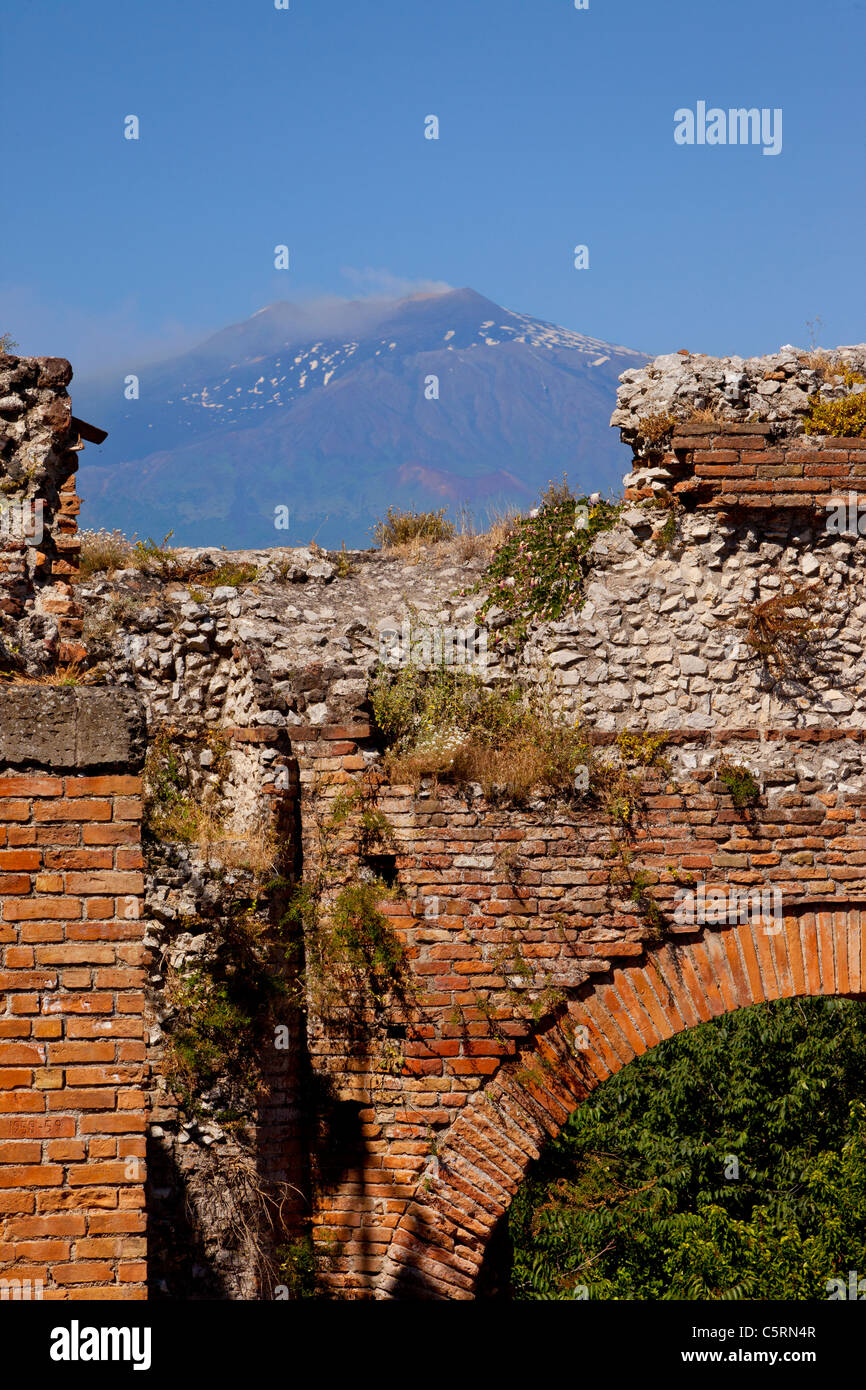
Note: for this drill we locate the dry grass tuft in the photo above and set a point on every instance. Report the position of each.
(399, 528)
(783, 629)
(104, 552)
(656, 426)
(428, 536)
(71, 673)
(818, 361)
(201, 825)
(522, 753)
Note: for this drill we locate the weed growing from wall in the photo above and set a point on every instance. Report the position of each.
(537, 573)
(223, 1011)
(178, 810)
(783, 630)
(447, 723)
(399, 527)
(843, 416)
(740, 783)
(352, 952)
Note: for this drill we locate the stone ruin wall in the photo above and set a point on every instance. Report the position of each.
(39, 447)
(279, 671)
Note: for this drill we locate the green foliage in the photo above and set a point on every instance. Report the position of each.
(224, 1011)
(7, 342)
(538, 570)
(342, 563)
(229, 574)
(169, 807)
(361, 936)
(642, 748)
(151, 554)
(740, 783)
(211, 1034)
(445, 722)
(297, 1268)
(846, 416)
(665, 536)
(398, 527)
(637, 1198)
(414, 707)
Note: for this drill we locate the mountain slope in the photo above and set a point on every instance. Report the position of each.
(337, 428)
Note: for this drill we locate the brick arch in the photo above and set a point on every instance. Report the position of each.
(438, 1247)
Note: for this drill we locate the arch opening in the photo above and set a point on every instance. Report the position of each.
(438, 1249)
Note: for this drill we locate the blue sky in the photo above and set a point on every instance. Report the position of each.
(306, 127)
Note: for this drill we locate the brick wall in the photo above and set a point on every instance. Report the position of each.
(72, 1103)
(726, 466)
(534, 933)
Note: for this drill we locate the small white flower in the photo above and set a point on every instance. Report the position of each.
(569, 536)
(534, 513)
(509, 582)
(594, 497)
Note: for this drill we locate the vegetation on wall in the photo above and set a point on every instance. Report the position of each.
(446, 722)
(398, 527)
(179, 810)
(727, 1162)
(740, 783)
(845, 415)
(106, 552)
(656, 427)
(784, 630)
(220, 1011)
(537, 572)
(351, 951)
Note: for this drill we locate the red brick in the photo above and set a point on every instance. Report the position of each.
(20, 859)
(83, 1272)
(104, 881)
(81, 810)
(40, 909)
(103, 786)
(32, 1175)
(14, 883)
(31, 786)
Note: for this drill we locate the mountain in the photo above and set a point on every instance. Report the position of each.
(324, 410)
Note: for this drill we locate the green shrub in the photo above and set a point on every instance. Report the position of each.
(151, 554)
(665, 536)
(414, 707)
(538, 570)
(297, 1268)
(846, 416)
(361, 936)
(212, 1034)
(446, 723)
(232, 575)
(636, 1198)
(740, 783)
